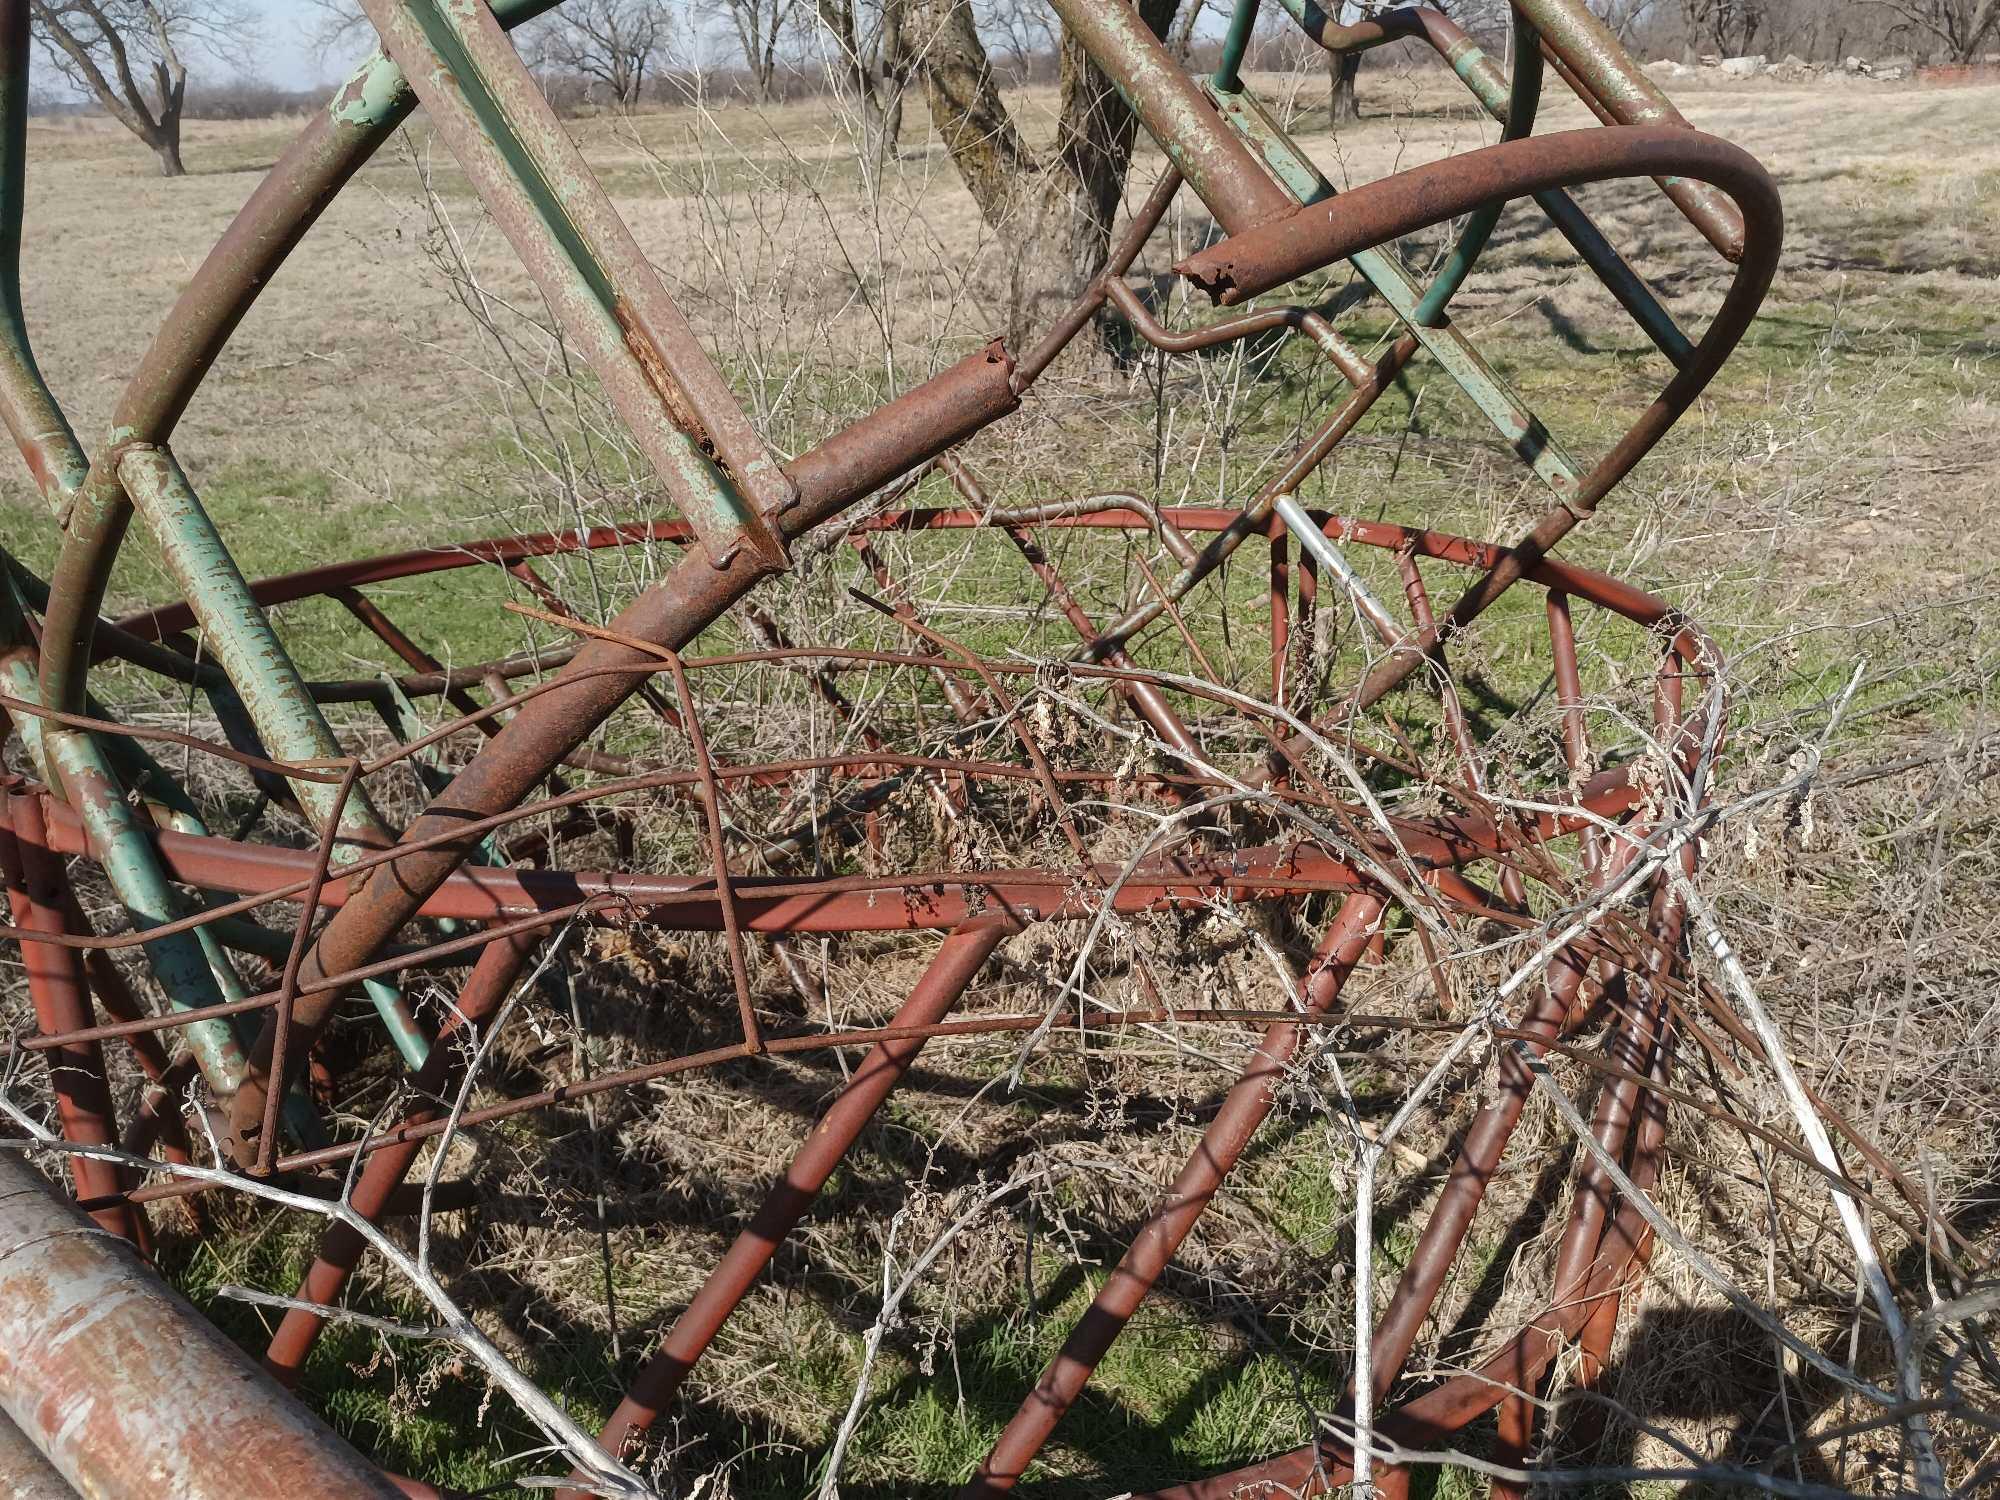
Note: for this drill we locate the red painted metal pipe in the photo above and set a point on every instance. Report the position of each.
(957, 963)
(1222, 1146)
(61, 997)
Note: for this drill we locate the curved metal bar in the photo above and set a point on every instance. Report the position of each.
(363, 114)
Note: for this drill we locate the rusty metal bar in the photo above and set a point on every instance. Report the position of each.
(957, 963)
(154, 1402)
(1222, 1145)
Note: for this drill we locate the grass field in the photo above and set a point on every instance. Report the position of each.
(1825, 509)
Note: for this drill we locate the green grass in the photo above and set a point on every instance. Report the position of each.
(1186, 1390)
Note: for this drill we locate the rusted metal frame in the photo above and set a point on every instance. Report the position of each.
(877, 782)
(801, 1045)
(718, 855)
(866, 455)
(1322, 1467)
(237, 632)
(1009, 714)
(1315, 785)
(1256, 516)
(1637, 1047)
(341, 1247)
(108, 984)
(1518, 427)
(933, 900)
(1497, 94)
(965, 706)
(1175, 112)
(1173, 1217)
(709, 771)
(1628, 602)
(1596, 1255)
(158, 1120)
(1594, 1340)
(110, 643)
(1145, 699)
(1515, 110)
(1310, 322)
(1367, 215)
(240, 636)
(61, 997)
(57, 463)
(362, 115)
(190, 968)
(1456, 723)
(604, 292)
(1317, 542)
(417, 562)
(1588, 56)
(1550, 1015)
(373, 618)
(1602, 73)
(554, 602)
(288, 985)
(951, 970)
(155, 1401)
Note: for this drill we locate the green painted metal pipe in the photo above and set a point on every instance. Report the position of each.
(1524, 97)
(1242, 22)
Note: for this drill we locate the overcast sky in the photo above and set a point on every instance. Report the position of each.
(286, 53)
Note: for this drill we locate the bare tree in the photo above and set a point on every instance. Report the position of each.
(759, 26)
(872, 61)
(1017, 32)
(1727, 27)
(1959, 29)
(1625, 17)
(615, 43)
(1056, 206)
(106, 47)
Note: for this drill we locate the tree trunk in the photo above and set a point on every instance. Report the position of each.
(1056, 213)
(169, 153)
(1343, 107)
(876, 75)
(1985, 20)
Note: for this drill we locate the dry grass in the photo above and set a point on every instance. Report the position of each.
(1823, 507)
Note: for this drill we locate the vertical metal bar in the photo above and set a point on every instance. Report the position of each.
(493, 975)
(1175, 112)
(191, 975)
(61, 999)
(718, 855)
(39, 428)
